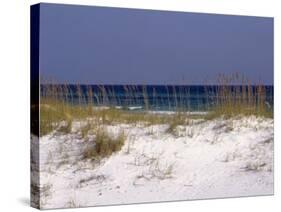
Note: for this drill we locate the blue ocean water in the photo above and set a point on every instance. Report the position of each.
(152, 97)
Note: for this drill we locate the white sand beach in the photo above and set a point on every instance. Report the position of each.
(206, 159)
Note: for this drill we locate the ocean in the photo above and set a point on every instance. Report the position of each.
(150, 97)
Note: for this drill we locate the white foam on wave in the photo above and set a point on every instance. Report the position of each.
(173, 112)
(135, 108)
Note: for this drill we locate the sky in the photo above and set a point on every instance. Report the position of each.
(103, 45)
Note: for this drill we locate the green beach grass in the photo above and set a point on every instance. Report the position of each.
(56, 114)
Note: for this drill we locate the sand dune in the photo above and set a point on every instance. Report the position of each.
(205, 159)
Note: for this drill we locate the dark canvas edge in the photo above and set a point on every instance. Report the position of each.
(34, 106)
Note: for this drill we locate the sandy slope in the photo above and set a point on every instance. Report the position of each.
(207, 159)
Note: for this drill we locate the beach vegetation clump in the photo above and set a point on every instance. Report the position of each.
(177, 120)
(85, 129)
(236, 95)
(65, 126)
(105, 144)
(54, 117)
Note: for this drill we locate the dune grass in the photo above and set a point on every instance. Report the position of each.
(60, 118)
(105, 145)
(235, 95)
(177, 119)
(54, 117)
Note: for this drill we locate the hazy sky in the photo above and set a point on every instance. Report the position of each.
(98, 45)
